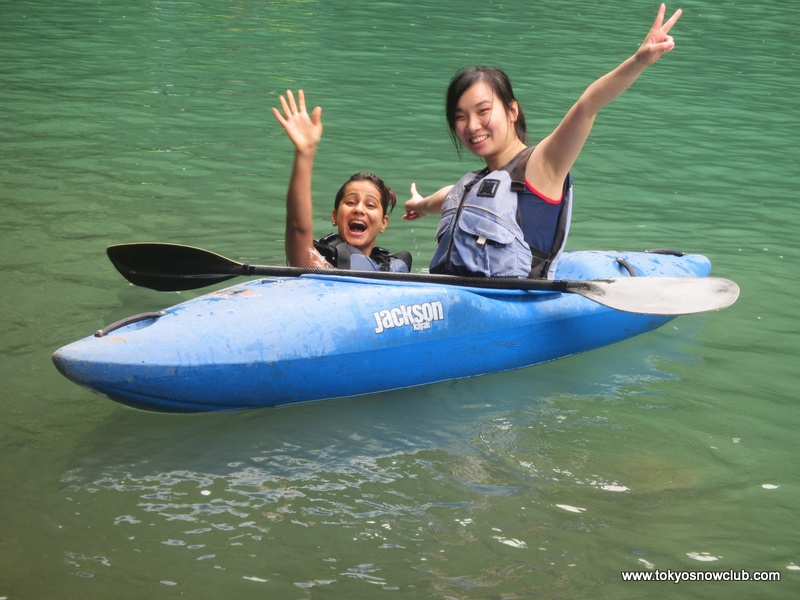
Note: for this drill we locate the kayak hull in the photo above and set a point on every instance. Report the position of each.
(278, 341)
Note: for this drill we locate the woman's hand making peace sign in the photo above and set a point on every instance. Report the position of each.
(658, 39)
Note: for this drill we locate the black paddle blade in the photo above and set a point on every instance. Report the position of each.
(171, 267)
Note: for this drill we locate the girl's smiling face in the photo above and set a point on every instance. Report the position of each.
(483, 125)
(360, 216)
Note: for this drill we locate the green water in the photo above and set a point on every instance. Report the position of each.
(151, 121)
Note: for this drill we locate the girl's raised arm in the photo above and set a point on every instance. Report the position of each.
(305, 132)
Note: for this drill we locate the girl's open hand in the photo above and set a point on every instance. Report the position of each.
(303, 129)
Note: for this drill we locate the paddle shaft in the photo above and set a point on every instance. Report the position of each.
(175, 267)
(513, 283)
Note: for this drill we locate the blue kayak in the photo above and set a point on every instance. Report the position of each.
(279, 340)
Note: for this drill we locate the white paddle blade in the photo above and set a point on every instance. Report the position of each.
(667, 296)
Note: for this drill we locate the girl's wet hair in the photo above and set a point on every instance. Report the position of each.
(388, 199)
(500, 84)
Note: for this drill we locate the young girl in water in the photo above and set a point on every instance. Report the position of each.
(512, 218)
(361, 207)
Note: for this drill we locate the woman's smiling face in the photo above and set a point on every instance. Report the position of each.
(359, 216)
(481, 122)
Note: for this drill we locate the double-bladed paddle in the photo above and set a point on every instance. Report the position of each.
(175, 267)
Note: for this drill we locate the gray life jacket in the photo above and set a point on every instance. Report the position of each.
(344, 256)
(482, 232)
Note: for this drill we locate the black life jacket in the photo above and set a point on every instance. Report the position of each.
(344, 256)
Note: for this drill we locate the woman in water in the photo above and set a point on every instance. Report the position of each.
(512, 218)
(361, 207)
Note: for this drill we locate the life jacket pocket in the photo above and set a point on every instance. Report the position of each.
(487, 243)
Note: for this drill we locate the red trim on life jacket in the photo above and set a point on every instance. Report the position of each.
(542, 196)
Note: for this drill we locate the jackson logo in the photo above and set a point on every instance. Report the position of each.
(418, 316)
